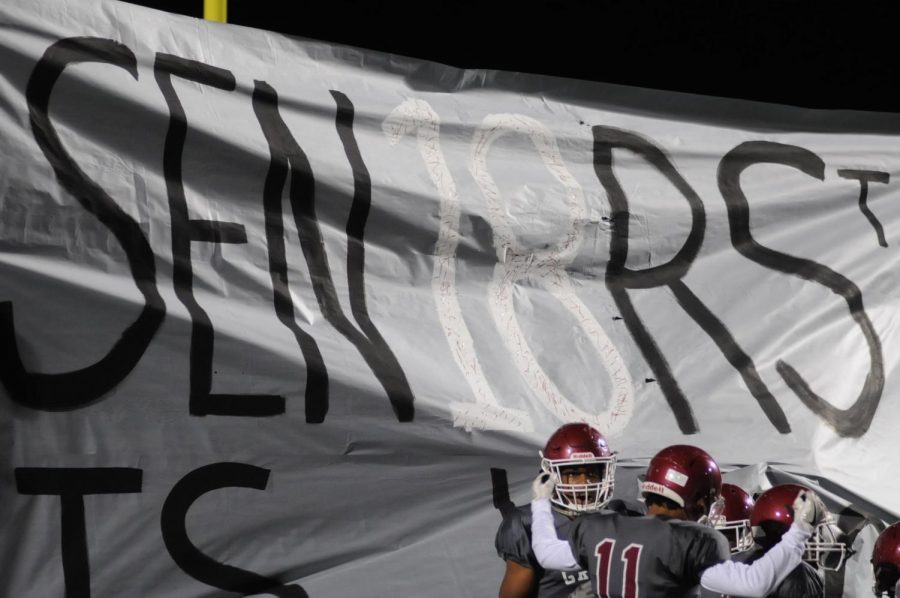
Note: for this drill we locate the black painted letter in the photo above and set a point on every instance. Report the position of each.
(71, 485)
(851, 422)
(619, 278)
(185, 230)
(285, 151)
(71, 390)
(188, 557)
(865, 177)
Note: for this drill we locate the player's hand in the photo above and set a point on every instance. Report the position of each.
(809, 510)
(543, 485)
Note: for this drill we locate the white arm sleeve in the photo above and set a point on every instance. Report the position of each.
(551, 552)
(761, 577)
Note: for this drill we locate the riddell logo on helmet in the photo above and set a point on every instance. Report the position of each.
(582, 455)
(654, 488)
(676, 477)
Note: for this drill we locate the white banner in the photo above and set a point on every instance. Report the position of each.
(272, 310)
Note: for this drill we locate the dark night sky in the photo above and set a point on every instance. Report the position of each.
(818, 54)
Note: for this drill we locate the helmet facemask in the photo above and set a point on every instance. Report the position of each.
(737, 532)
(715, 513)
(731, 516)
(823, 549)
(592, 488)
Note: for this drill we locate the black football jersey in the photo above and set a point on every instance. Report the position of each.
(513, 543)
(628, 557)
(803, 582)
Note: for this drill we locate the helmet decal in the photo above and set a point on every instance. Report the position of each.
(583, 455)
(686, 475)
(676, 477)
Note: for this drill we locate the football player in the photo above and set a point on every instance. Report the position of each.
(734, 520)
(770, 518)
(667, 553)
(886, 562)
(578, 456)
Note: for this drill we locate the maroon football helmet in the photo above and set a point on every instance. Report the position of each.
(734, 519)
(579, 458)
(686, 475)
(886, 562)
(773, 514)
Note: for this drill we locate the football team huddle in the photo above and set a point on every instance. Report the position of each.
(690, 534)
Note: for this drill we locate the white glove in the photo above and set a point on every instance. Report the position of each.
(809, 511)
(543, 485)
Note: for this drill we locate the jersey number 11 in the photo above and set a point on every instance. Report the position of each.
(630, 556)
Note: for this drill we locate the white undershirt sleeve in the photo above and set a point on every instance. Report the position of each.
(761, 577)
(551, 552)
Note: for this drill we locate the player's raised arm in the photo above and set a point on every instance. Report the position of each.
(550, 551)
(764, 575)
